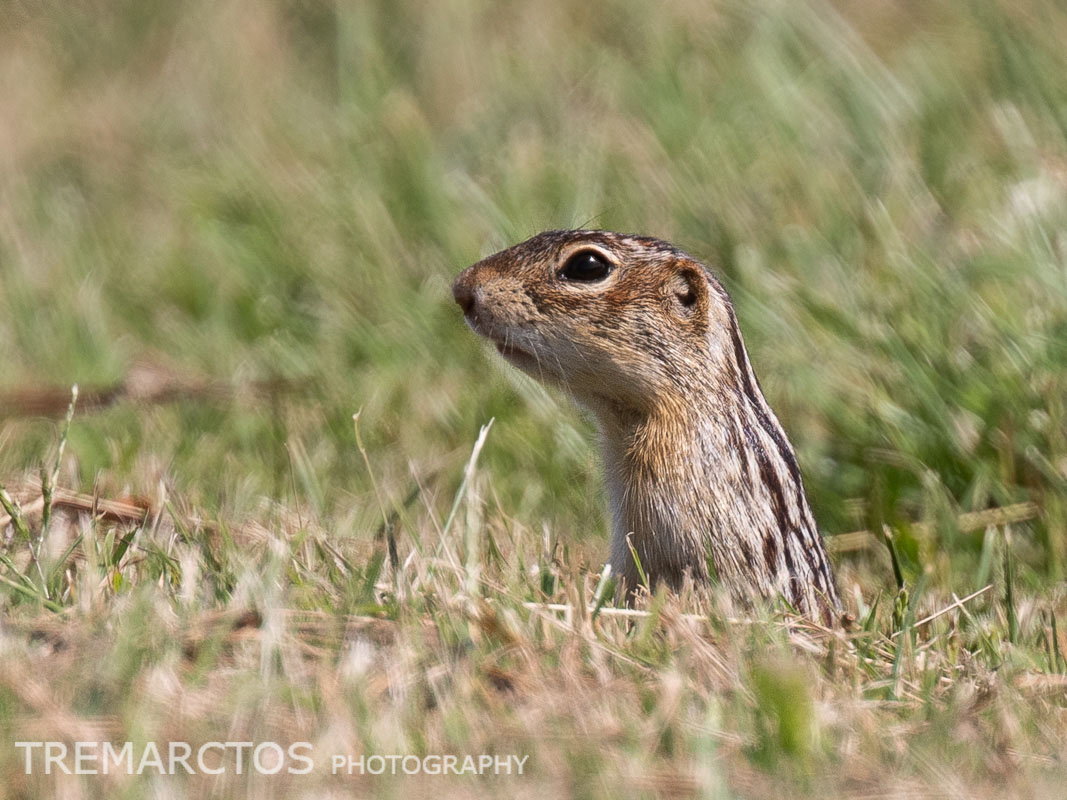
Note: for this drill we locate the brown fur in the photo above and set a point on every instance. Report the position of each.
(698, 467)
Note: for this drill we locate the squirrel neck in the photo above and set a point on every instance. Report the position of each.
(711, 480)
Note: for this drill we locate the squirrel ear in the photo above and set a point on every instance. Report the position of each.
(687, 291)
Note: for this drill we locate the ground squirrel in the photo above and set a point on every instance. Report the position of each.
(700, 474)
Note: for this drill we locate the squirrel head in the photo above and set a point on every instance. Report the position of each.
(623, 323)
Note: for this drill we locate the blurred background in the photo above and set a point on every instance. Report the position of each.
(233, 224)
(280, 193)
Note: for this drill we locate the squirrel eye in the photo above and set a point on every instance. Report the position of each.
(586, 265)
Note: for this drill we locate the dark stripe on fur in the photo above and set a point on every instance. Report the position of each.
(771, 481)
(770, 552)
(755, 399)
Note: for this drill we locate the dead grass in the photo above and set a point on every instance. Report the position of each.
(462, 651)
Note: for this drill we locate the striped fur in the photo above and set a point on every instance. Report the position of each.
(698, 467)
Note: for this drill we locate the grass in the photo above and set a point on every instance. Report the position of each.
(238, 223)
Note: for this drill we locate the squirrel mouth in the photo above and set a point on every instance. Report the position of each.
(509, 350)
(523, 359)
(505, 345)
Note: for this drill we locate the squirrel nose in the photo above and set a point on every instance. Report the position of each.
(464, 295)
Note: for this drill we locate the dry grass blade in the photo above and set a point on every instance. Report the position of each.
(135, 512)
(967, 523)
(957, 603)
(146, 384)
